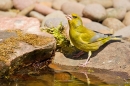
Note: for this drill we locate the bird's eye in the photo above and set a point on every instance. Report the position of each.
(74, 16)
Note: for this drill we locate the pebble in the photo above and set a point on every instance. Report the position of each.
(113, 23)
(45, 2)
(6, 4)
(72, 7)
(30, 25)
(45, 10)
(86, 20)
(118, 13)
(54, 22)
(58, 3)
(85, 2)
(125, 32)
(37, 15)
(7, 14)
(126, 20)
(104, 3)
(95, 12)
(121, 3)
(21, 4)
(95, 26)
(26, 10)
(55, 19)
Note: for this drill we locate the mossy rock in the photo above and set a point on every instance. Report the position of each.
(19, 49)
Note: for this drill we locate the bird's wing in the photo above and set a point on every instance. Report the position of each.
(91, 38)
(89, 46)
(98, 36)
(85, 37)
(97, 40)
(92, 46)
(90, 35)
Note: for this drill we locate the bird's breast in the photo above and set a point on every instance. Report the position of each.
(75, 39)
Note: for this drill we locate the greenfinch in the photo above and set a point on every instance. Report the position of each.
(85, 39)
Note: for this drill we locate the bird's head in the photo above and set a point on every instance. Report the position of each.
(74, 20)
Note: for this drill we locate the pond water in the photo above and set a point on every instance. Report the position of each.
(53, 77)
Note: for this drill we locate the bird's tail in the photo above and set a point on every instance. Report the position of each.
(116, 37)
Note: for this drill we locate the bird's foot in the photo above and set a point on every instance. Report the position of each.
(78, 54)
(83, 64)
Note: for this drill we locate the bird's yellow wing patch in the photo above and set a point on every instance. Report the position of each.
(89, 46)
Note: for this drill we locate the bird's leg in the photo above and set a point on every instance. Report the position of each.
(89, 55)
(78, 54)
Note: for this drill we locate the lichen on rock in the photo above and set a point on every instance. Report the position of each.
(33, 39)
(8, 45)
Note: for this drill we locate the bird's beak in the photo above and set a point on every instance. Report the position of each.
(69, 17)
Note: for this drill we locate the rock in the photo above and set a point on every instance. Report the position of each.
(44, 0)
(118, 13)
(90, 10)
(85, 2)
(69, 7)
(121, 4)
(26, 10)
(106, 4)
(125, 32)
(113, 23)
(30, 25)
(18, 46)
(86, 20)
(114, 57)
(98, 27)
(21, 49)
(43, 9)
(54, 22)
(54, 19)
(37, 15)
(21, 4)
(126, 20)
(6, 4)
(58, 3)
(73, 0)
(47, 3)
(7, 14)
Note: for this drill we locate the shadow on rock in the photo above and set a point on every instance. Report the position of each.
(74, 55)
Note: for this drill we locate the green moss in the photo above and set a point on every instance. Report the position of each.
(8, 45)
(63, 44)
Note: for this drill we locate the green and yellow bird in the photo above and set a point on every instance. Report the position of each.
(85, 39)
